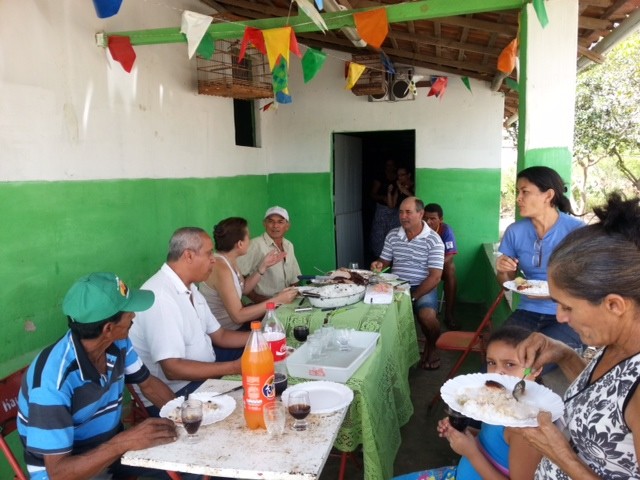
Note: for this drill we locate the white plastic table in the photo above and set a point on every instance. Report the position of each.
(229, 449)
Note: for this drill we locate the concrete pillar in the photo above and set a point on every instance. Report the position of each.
(547, 87)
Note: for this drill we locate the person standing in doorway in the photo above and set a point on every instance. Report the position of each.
(384, 218)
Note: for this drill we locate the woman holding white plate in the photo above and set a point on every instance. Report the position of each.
(594, 276)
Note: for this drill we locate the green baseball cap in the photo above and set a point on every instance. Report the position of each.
(98, 296)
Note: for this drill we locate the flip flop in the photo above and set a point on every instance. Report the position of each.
(432, 365)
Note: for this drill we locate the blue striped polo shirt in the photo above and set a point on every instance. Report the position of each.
(66, 406)
(413, 259)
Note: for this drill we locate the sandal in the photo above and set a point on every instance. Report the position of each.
(431, 365)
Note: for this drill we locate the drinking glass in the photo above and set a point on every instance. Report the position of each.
(314, 345)
(274, 418)
(354, 266)
(343, 337)
(456, 419)
(301, 332)
(328, 337)
(191, 415)
(299, 408)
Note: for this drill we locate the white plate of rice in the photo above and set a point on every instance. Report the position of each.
(469, 395)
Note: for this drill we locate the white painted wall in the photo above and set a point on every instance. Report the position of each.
(461, 130)
(551, 76)
(67, 114)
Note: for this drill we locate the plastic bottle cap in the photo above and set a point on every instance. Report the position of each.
(271, 306)
(256, 325)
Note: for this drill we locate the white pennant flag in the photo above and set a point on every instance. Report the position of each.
(307, 7)
(194, 26)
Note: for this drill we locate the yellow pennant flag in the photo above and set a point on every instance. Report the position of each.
(277, 41)
(355, 71)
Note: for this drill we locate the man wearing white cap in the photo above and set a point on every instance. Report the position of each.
(281, 275)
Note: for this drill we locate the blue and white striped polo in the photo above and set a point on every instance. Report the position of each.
(413, 259)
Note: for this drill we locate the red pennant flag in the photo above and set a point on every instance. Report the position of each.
(507, 58)
(293, 45)
(372, 26)
(438, 87)
(122, 51)
(253, 36)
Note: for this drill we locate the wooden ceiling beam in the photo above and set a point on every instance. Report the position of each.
(429, 40)
(590, 23)
(406, 56)
(502, 29)
(593, 56)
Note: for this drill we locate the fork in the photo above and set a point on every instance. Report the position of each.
(518, 388)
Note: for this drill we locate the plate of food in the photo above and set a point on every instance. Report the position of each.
(530, 288)
(487, 397)
(214, 407)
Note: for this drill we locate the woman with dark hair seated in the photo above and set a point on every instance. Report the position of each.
(225, 286)
(528, 243)
(594, 278)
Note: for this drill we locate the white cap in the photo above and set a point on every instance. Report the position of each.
(277, 211)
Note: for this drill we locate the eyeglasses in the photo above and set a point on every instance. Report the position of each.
(537, 255)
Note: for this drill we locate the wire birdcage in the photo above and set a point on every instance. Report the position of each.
(224, 76)
(373, 80)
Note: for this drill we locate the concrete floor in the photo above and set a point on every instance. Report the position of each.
(421, 447)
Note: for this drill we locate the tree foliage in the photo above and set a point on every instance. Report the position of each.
(607, 123)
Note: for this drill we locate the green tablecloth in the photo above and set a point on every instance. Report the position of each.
(382, 400)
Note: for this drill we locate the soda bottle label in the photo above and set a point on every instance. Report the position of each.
(278, 344)
(258, 390)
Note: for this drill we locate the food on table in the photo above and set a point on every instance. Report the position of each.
(493, 398)
(381, 288)
(344, 275)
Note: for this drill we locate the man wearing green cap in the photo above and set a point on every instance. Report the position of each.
(70, 403)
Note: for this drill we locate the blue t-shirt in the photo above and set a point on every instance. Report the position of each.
(521, 241)
(448, 238)
(491, 438)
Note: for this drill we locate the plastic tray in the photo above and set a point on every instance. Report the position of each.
(336, 366)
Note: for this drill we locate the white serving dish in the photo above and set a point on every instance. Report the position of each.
(337, 295)
(380, 293)
(336, 366)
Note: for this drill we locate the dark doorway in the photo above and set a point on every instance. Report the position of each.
(377, 148)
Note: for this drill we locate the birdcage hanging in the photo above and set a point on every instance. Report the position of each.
(224, 76)
(373, 80)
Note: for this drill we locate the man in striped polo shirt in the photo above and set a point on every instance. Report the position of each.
(70, 403)
(417, 255)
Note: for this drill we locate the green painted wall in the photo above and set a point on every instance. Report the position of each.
(55, 232)
(470, 199)
(309, 200)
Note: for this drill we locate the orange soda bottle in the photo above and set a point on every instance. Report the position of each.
(257, 377)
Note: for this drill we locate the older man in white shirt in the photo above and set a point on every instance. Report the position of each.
(279, 276)
(175, 337)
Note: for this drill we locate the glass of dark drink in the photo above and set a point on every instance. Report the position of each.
(457, 420)
(191, 416)
(301, 332)
(280, 381)
(299, 408)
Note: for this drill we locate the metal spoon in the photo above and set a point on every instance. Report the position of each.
(518, 388)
